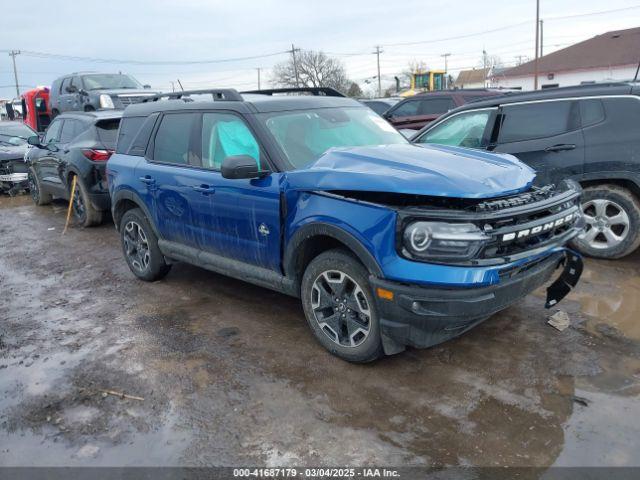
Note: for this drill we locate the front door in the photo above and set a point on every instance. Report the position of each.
(545, 135)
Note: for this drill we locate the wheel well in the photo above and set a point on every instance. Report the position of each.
(122, 207)
(628, 184)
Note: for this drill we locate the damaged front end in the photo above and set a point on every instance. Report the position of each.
(13, 176)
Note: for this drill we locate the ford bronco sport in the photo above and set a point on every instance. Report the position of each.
(387, 244)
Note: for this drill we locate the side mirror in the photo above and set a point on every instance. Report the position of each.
(146, 86)
(34, 140)
(240, 166)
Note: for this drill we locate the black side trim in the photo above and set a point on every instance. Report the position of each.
(229, 267)
(315, 229)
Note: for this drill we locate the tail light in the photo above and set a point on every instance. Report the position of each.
(97, 155)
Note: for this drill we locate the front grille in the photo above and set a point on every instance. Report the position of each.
(131, 99)
(535, 195)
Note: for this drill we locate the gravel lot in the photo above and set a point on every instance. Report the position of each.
(225, 373)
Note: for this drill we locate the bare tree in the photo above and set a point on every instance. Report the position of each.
(314, 69)
(354, 91)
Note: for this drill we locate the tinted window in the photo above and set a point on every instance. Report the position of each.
(108, 131)
(225, 135)
(462, 130)
(129, 127)
(141, 139)
(435, 106)
(378, 107)
(65, 83)
(71, 129)
(407, 109)
(53, 132)
(592, 112)
(173, 138)
(535, 120)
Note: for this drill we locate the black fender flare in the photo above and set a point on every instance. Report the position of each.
(122, 195)
(325, 229)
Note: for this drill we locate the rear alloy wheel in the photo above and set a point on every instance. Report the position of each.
(612, 222)
(339, 306)
(83, 210)
(140, 247)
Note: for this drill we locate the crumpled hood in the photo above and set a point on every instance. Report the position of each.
(11, 152)
(432, 170)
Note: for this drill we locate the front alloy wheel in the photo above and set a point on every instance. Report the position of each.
(607, 224)
(136, 246)
(340, 308)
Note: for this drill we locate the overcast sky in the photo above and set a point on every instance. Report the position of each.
(200, 30)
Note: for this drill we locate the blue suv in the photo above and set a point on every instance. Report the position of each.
(387, 244)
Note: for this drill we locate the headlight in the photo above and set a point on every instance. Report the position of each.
(106, 101)
(440, 240)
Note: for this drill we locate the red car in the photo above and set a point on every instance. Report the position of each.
(417, 111)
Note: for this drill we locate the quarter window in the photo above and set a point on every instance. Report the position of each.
(173, 138)
(462, 130)
(225, 135)
(591, 111)
(536, 120)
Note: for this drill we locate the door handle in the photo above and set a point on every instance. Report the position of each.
(561, 147)
(204, 189)
(148, 180)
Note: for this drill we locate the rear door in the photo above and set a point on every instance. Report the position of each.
(546, 135)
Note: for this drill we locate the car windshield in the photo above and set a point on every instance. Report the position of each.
(304, 135)
(15, 133)
(109, 81)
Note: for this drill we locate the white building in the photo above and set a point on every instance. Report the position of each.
(612, 56)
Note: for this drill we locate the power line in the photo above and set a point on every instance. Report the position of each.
(57, 56)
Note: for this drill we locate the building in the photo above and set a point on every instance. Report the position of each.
(612, 56)
(475, 78)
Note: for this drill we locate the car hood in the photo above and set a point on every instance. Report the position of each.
(432, 170)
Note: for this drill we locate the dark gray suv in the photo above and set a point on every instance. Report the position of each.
(96, 91)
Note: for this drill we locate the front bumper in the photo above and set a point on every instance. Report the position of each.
(14, 177)
(422, 316)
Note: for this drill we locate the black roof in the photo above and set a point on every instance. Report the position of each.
(598, 89)
(251, 102)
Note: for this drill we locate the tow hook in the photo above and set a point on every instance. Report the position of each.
(568, 279)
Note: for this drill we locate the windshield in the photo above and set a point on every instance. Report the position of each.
(15, 133)
(107, 81)
(304, 135)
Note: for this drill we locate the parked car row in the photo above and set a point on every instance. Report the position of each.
(386, 243)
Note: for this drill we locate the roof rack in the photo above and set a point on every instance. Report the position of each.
(315, 91)
(224, 94)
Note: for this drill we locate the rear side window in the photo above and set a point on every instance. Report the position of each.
(536, 120)
(53, 132)
(65, 83)
(108, 132)
(71, 129)
(591, 111)
(173, 138)
(435, 106)
(129, 127)
(407, 109)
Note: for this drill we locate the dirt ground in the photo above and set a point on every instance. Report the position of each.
(225, 373)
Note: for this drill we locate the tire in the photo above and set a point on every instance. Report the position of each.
(38, 195)
(351, 328)
(612, 215)
(83, 210)
(148, 268)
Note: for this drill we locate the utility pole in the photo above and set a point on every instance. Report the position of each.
(173, 86)
(258, 69)
(535, 62)
(13, 54)
(446, 69)
(519, 57)
(377, 53)
(180, 83)
(295, 64)
(541, 37)
(484, 66)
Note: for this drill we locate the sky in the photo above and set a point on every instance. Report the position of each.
(232, 39)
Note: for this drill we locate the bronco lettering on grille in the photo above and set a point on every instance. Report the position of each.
(538, 229)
